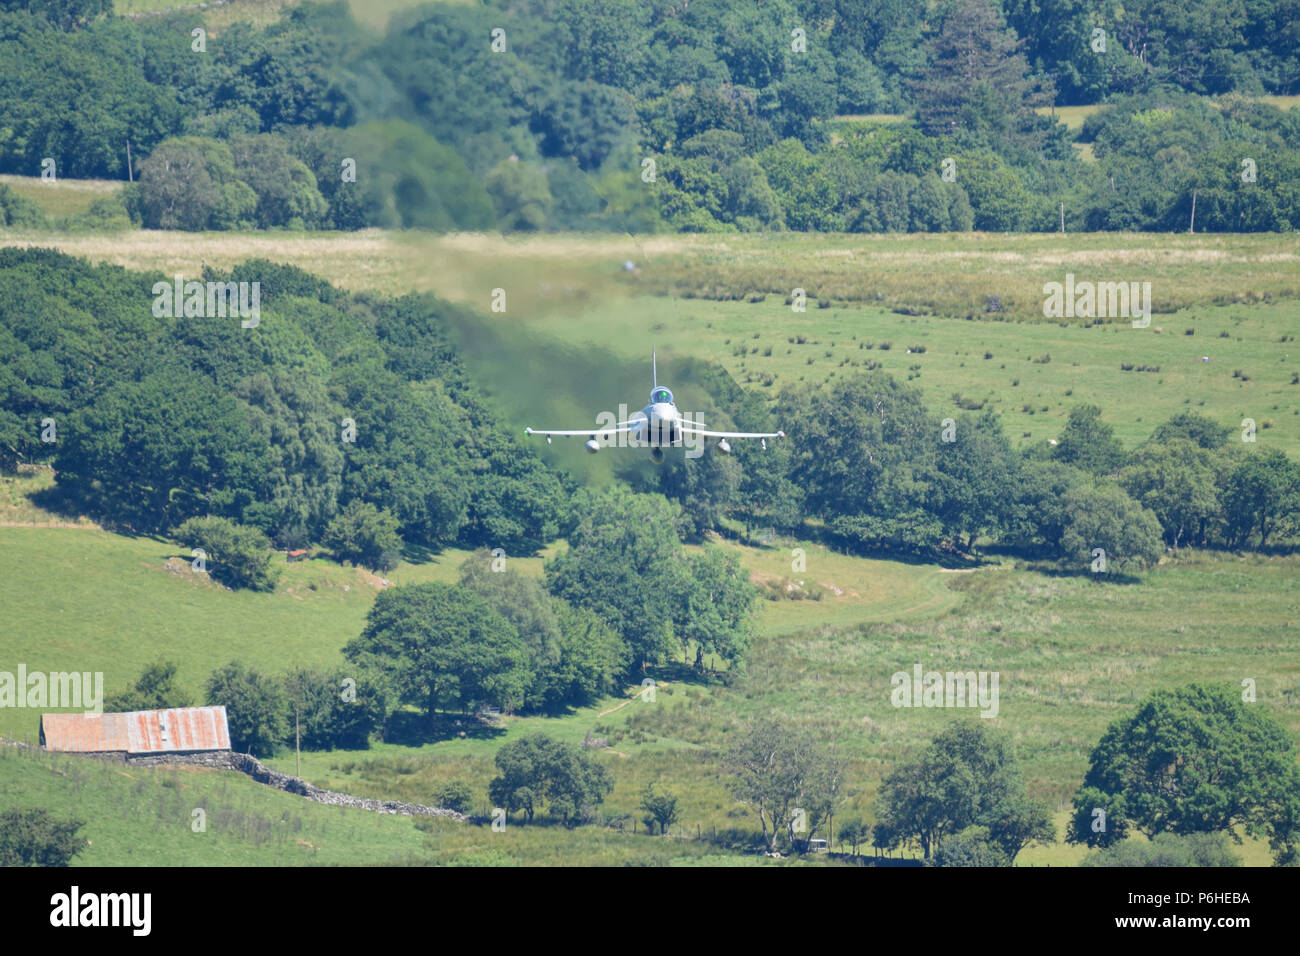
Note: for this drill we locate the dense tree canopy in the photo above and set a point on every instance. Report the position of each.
(442, 123)
(1195, 759)
(536, 772)
(442, 647)
(968, 777)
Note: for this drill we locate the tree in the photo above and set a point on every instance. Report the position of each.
(788, 777)
(1175, 480)
(364, 535)
(1262, 497)
(256, 709)
(525, 604)
(455, 795)
(586, 121)
(34, 838)
(593, 658)
(807, 193)
(191, 183)
(705, 487)
(76, 96)
(404, 460)
(573, 656)
(1100, 514)
(332, 709)
(996, 192)
(285, 188)
(156, 451)
(304, 462)
(154, 689)
(716, 610)
(536, 770)
(621, 564)
(854, 832)
(404, 178)
(236, 555)
(1205, 432)
(521, 194)
(439, 646)
(1038, 516)
(515, 501)
(660, 808)
(18, 212)
(968, 777)
(1089, 443)
(863, 445)
(977, 81)
(1194, 759)
(974, 472)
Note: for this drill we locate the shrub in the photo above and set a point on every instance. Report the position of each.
(256, 709)
(1168, 849)
(34, 838)
(365, 535)
(333, 711)
(18, 212)
(236, 555)
(455, 795)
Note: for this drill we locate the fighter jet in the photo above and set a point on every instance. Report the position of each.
(657, 426)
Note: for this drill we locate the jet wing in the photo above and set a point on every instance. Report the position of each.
(688, 430)
(586, 432)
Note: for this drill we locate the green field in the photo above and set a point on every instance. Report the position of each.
(138, 817)
(374, 14)
(1073, 116)
(62, 198)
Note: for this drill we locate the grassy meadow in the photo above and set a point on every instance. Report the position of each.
(60, 198)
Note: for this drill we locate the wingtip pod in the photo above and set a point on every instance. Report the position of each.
(780, 434)
(528, 431)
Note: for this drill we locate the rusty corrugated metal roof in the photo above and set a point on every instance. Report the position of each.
(176, 730)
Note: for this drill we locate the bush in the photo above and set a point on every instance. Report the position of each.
(34, 838)
(236, 555)
(1168, 849)
(365, 535)
(154, 690)
(256, 709)
(455, 795)
(536, 768)
(105, 214)
(970, 847)
(17, 212)
(333, 712)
